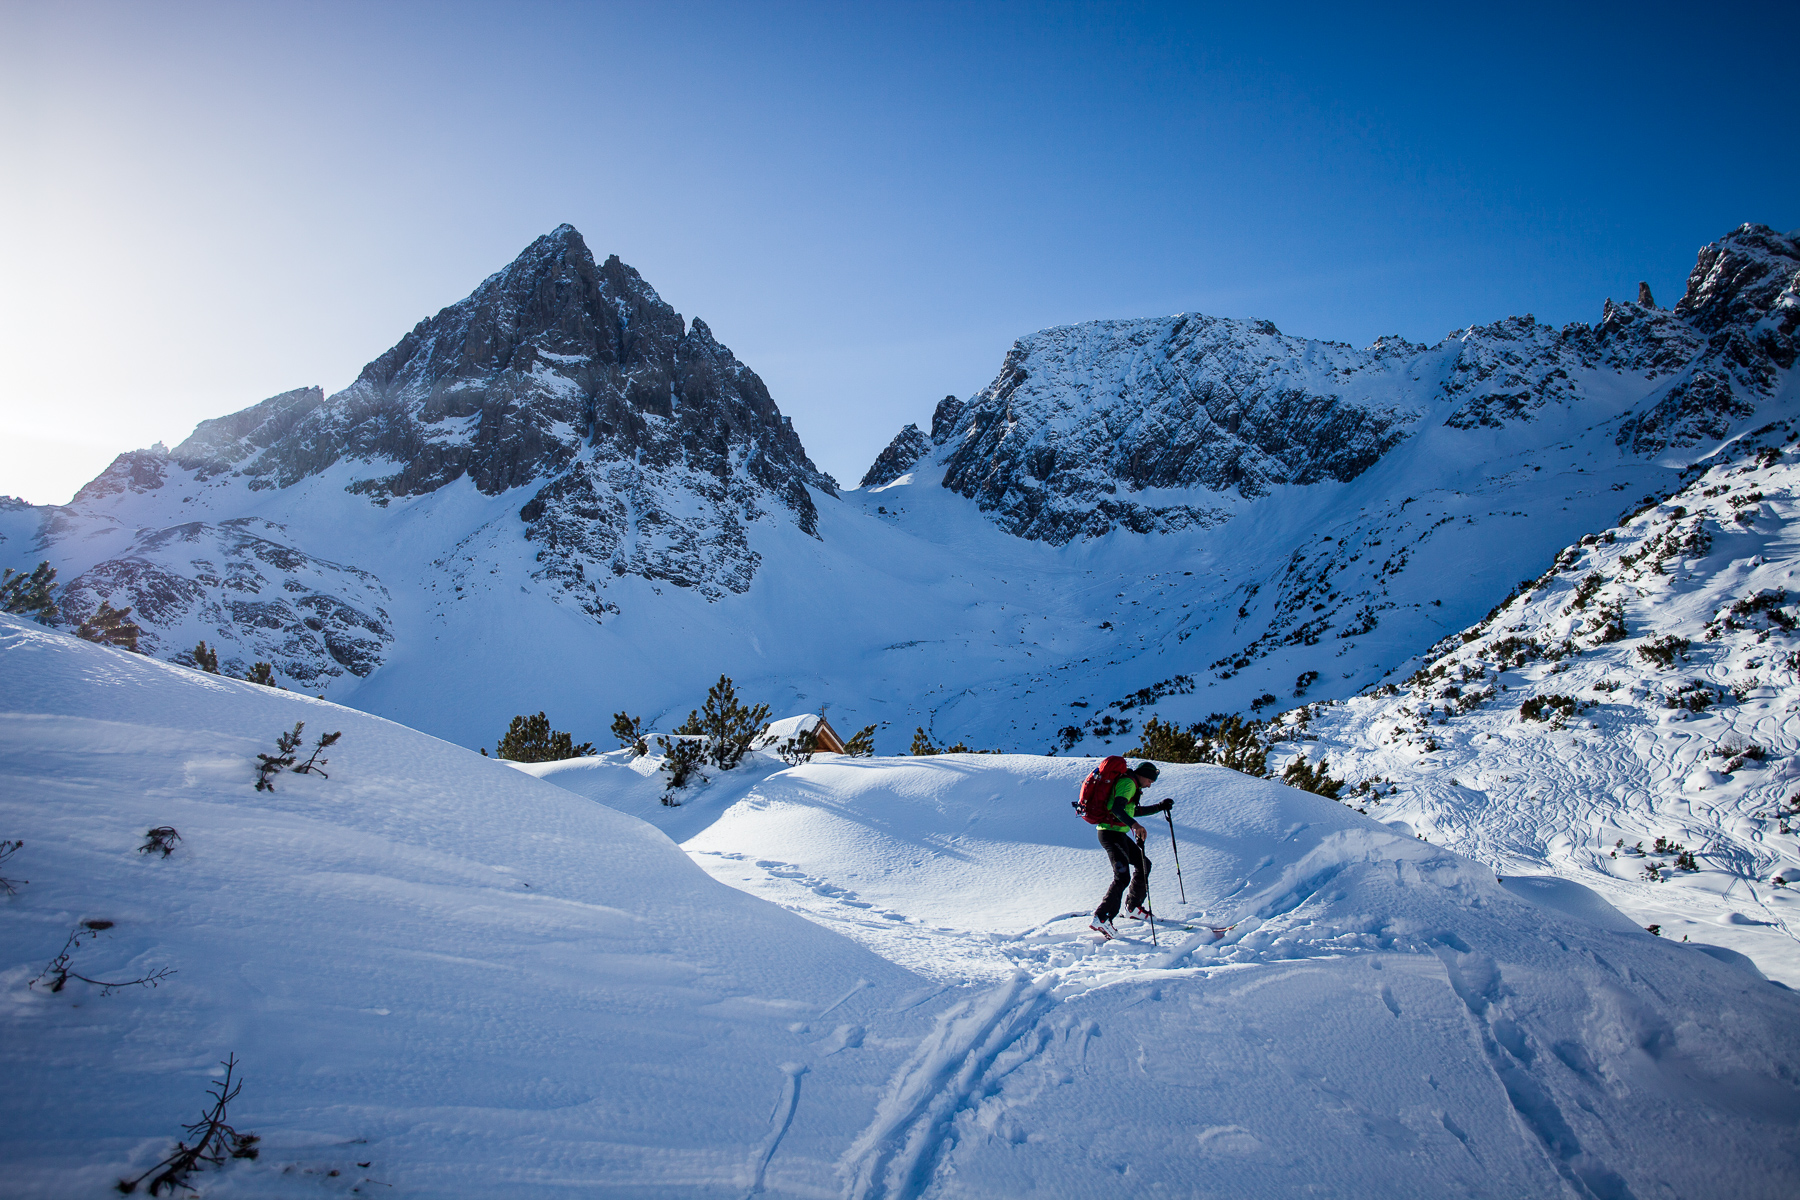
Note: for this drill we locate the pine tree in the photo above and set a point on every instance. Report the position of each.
(1167, 743)
(922, 746)
(206, 658)
(111, 626)
(727, 724)
(630, 732)
(1316, 780)
(263, 673)
(862, 745)
(530, 739)
(28, 595)
(1237, 746)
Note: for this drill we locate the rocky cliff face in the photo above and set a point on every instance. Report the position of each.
(636, 443)
(575, 379)
(1156, 425)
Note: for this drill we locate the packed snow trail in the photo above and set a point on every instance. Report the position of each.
(443, 978)
(1381, 1017)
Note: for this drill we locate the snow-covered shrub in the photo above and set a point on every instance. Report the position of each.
(1662, 651)
(682, 759)
(1166, 743)
(110, 626)
(531, 740)
(1305, 680)
(162, 838)
(1315, 779)
(27, 594)
(1692, 696)
(799, 749)
(1553, 708)
(631, 734)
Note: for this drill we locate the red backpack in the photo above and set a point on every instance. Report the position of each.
(1097, 789)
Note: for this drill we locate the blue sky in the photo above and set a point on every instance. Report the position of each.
(868, 202)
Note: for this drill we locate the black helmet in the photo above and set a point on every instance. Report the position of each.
(1147, 770)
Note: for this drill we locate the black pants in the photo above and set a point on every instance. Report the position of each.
(1126, 856)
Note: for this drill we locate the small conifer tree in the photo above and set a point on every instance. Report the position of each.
(728, 725)
(1314, 779)
(27, 594)
(630, 732)
(1166, 743)
(1237, 746)
(111, 626)
(921, 744)
(530, 739)
(206, 658)
(862, 745)
(263, 673)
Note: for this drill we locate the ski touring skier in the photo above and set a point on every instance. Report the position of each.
(1123, 840)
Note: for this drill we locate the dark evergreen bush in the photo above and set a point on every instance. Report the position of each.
(28, 594)
(111, 626)
(530, 739)
(861, 744)
(631, 734)
(1313, 779)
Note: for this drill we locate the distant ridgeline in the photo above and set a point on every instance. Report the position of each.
(560, 485)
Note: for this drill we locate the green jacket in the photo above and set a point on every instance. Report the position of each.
(1123, 804)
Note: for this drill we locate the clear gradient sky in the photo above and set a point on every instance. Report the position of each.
(206, 204)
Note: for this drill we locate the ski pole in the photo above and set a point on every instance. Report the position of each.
(1176, 850)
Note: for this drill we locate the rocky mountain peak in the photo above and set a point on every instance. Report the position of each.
(1081, 419)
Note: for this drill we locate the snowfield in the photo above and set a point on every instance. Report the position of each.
(1665, 653)
(443, 977)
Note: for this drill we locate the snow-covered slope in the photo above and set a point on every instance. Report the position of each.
(438, 974)
(446, 978)
(1661, 662)
(1382, 1017)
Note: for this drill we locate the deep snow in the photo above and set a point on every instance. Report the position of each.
(1382, 1018)
(1649, 750)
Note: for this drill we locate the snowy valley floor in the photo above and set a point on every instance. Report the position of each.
(444, 977)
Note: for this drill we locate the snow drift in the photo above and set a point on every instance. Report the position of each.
(444, 977)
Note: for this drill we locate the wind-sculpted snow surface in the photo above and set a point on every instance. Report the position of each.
(1629, 719)
(440, 977)
(1381, 1017)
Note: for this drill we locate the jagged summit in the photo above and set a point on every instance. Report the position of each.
(507, 385)
(1091, 427)
(643, 446)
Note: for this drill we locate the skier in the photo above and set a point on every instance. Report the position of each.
(1116, 837)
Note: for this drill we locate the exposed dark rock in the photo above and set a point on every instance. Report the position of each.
(1081, 418)
(257, 598)
(1082, 413)
(570, 376)
(907, 448)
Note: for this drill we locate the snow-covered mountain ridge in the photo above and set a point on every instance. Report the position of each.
(630, 556)
(441, 977)
(1086, 422)
(1637, 703)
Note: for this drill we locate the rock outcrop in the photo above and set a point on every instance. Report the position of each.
(1160, 424)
